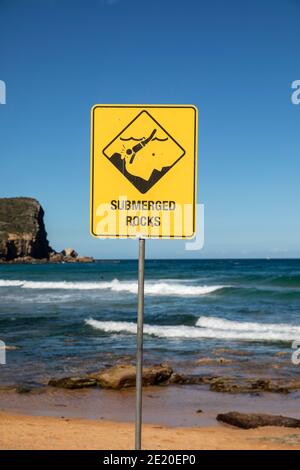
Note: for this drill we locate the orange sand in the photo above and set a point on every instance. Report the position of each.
(39, 432)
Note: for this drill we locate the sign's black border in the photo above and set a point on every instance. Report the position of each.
(143, 108)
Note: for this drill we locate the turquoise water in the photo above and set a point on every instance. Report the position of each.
(69, 318)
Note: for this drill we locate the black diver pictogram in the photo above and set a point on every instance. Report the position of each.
(139, 146)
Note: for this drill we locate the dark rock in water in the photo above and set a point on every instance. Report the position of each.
(84, 259)
(250, 421)
(269, 386)
(227, 385)
(23, 389)
(69, 252)
(7, 388)
(69, 255)
(62, 258)
(56, 257)
(73, 382)
(32, 388)
(233, 385)
(223, 384)
(69, 259)
(181, 379)
(124, 376)
(176, 378)
(22, 229)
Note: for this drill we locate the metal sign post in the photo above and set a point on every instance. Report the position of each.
(139, 350)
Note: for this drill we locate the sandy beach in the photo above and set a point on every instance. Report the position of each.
(39, 432)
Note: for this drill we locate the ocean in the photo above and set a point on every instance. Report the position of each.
(65, 319)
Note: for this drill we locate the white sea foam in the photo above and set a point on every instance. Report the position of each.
(234, 330)
(8, 283)
(151, 288)
(225, 325)
(164, 288)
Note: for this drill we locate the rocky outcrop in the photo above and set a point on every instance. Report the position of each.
(124, 376)
(117, 377)
(223, 384)
(22, 229)
(231, 385)
(23, 237)
(73, 382)
(69, 255)
(251, 421)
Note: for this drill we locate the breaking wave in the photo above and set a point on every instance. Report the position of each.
(206, 327)
(151, 288)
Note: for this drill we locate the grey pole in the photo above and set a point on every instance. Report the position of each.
(139, 350)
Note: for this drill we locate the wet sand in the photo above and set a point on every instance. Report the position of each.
(169, 406)
(41, 433)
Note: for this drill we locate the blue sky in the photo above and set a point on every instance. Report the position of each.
(234, 60)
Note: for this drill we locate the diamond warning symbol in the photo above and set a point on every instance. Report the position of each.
(144, 151)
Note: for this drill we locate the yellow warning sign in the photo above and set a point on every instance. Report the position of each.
(143, 171)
